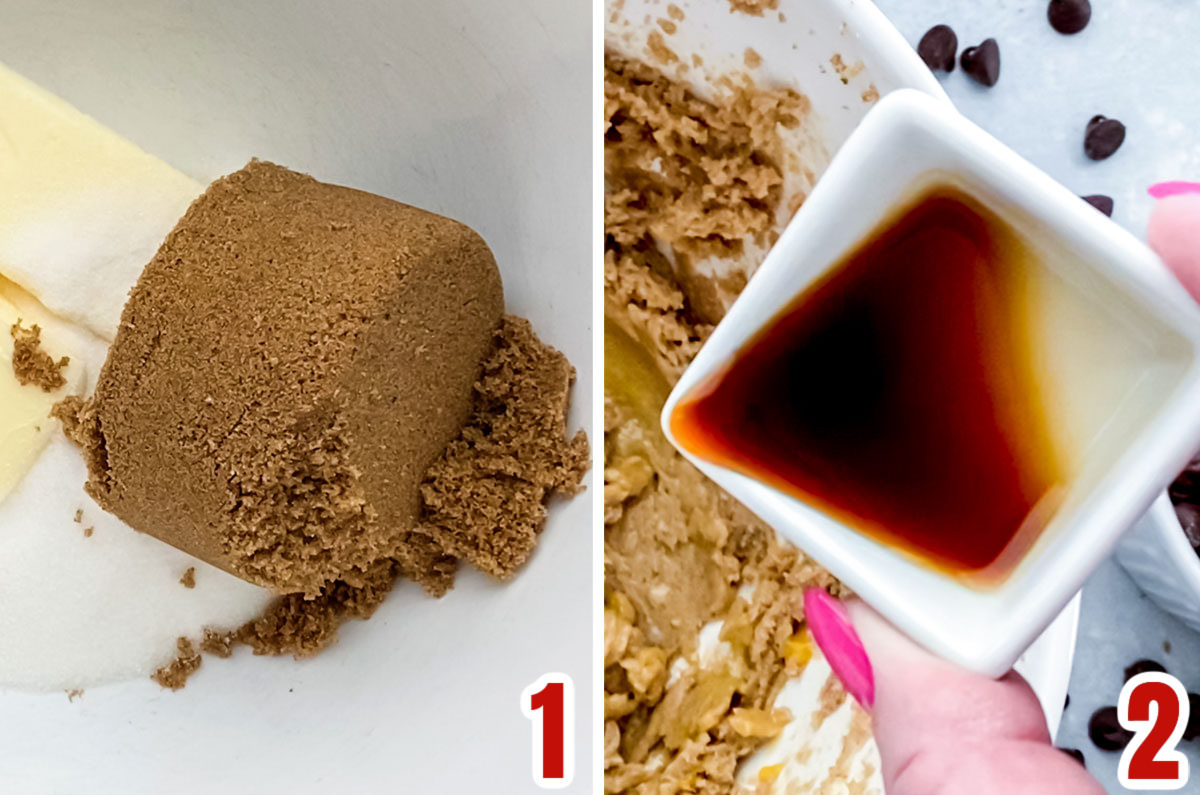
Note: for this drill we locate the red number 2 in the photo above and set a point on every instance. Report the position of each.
(550, 703)
(1151, 761)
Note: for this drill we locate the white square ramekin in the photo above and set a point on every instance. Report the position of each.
(905, 142)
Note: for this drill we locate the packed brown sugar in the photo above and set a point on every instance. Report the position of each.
(413, 405)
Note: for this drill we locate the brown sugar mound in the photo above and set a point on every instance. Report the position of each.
(175, 675)
(314, 388)
(31, 364)
(287, 368)
(485, 499)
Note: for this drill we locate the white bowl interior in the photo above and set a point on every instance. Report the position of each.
(480, 111)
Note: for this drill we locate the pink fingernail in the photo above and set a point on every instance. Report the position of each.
(1173, 187)
(830, 627)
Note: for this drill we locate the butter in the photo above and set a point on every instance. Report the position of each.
(82, 210)
(25, 423)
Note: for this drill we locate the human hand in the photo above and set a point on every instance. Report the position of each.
(1174, 231)
(940, 728)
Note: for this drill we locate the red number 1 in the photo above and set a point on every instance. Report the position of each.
(550, 703)
(1155, 707)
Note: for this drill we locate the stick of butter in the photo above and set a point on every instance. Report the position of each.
(82, 210)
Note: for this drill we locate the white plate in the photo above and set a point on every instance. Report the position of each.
(480, 111)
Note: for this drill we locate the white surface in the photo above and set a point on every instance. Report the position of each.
(983, 629)
(1158, 557)
(476, 110)
(82, 611)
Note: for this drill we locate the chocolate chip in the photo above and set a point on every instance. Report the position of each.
(1101, 202)
(1192, 730)
(1143, 666)
(1069, 16)
(1066, 702)
(1075, 754)
(1106, 731)
(1103, 137)
(1189, 518)
(938, 48)
(1186, 487)
(983, 62)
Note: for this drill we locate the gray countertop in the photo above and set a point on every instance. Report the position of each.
(1137, 61)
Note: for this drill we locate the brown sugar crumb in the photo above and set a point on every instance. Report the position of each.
(755, 8)
(675, 12)
(303, 627)
(485, 500)
(31, 364)
(78, 515)
(74, 694)
(175, 675)
(67, 412)
(844, 71)
(871, 94)
(218, 644)
(657, 48)
(188, 580)
(828, 702)
(751, 58)
(87, 532)
(668, 27)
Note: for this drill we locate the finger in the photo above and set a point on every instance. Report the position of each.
(941, 729)
(1174, 231)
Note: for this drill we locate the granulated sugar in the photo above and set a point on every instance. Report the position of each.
(81, 611)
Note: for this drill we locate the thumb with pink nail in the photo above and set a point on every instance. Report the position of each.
(1174, 230)
(940, 729)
